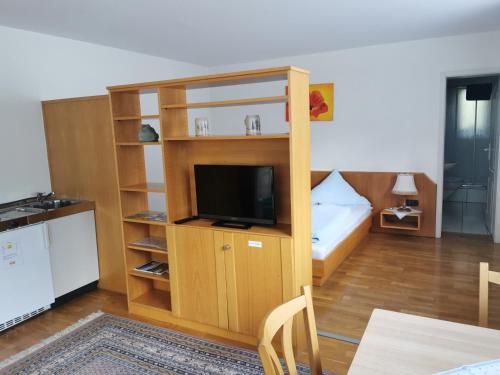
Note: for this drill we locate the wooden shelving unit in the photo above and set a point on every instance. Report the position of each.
(208, 288)
(143, 289)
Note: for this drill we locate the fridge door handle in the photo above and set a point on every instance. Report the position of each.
(46, 236)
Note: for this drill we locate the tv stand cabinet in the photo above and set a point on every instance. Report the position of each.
(280, 229)
(227, 279)
(221, 281)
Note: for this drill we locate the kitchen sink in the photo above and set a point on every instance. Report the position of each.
(52, 204)
(23, 211)
(30, 210)
(12, 215)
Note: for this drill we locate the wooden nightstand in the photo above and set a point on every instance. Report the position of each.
(388, 219)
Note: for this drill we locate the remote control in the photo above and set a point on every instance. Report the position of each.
(185, 220)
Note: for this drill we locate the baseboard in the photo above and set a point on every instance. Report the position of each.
(75, 293)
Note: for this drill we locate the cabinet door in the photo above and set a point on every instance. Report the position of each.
(254, 279)
(73, 252)
(195, 274)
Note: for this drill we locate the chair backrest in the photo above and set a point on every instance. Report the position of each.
(485, 277)
(282, 316)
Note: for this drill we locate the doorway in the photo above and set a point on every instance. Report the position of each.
(470, 155)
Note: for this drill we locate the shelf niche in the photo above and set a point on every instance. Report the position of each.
(149, 290)
(182, 156)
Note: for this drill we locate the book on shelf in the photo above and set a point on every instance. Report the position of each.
(153, 267)
(158, 243)
(160, 269)
(149, 215)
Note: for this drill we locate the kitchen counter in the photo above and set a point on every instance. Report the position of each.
(27, 218)
(60, 212)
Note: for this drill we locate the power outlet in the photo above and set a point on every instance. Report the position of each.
(412, 202)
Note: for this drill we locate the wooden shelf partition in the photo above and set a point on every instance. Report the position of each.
(151, 187)
(154, 298)
(214, 80)
(207, 287)
(138, 143)
(225, 103)
(148, 222)
(126, 118)
(278, 230)
(160, 278)
(148, 249)
(229, 137)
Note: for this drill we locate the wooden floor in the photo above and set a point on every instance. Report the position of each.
(435, 278)
(422, 276)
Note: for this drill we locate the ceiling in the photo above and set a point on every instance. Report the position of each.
(220, 32)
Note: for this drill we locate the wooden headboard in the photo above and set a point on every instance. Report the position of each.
(377, 186)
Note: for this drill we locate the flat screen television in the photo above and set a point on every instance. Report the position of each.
(237, 194)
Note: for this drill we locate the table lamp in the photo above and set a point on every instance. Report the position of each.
(405, 185)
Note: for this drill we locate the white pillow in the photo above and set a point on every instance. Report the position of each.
(335, 190)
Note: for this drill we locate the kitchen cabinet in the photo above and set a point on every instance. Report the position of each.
(79, 138)
(226, 279)
(73, 252)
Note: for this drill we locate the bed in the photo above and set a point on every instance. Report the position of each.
(341, 219)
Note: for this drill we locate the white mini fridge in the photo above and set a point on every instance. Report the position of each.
(25, 276)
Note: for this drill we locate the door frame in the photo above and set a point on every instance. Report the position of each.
(441, 139)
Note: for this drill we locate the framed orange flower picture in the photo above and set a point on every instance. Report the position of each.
(320, 101)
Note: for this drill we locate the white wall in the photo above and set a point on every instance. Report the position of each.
(35, 67)
(389, 102)
(389, 99)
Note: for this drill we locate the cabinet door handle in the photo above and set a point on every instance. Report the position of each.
(226, 247)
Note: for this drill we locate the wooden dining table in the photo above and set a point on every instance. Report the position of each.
(396, 343)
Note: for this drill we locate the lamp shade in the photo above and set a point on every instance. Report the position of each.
(405, 185)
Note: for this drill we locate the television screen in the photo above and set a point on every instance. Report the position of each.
(235, 193)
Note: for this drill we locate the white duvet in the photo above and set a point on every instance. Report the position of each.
(326, 219)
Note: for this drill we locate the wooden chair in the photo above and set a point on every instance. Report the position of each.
(485, 277)
(282, 316)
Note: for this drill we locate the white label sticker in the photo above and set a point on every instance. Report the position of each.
(10, 255)
(254, 244)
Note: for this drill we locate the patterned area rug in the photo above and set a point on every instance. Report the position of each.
(107, 344)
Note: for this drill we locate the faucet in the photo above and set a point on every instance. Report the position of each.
(42, 197)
